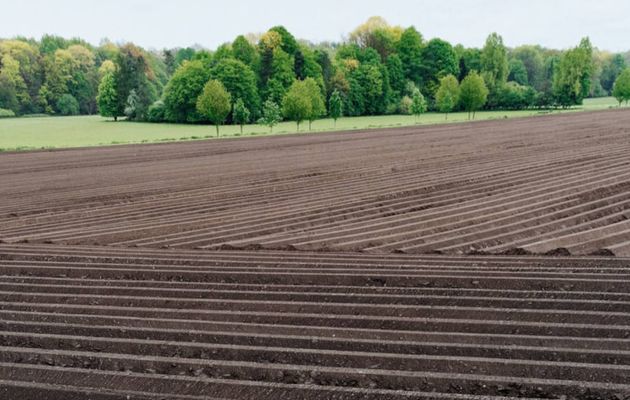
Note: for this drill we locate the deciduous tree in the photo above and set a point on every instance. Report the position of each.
(182, 91)
(271, 115)
(214, 103)
(621, 89)
(108, 97)
(473, 93)
(335, 105)
(447, 95)
(240, 114)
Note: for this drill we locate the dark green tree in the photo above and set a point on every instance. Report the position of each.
(410, 53)
(68, 105)
(245, 52)
(133, 73)
(180, 94)
(240, 81)
(438, 60)
(518, 72)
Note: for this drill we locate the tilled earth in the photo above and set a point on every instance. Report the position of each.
(368, 265)
(551, 184)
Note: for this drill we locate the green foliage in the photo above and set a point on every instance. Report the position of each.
(157, 112)
(410, 53)
(288, 43)
(297, 103)
(271, 114)
(473, 93)
(518, 72)
(572, 75)
(214, 102)
(240, 81)
(447, 95)
(611, 70)
(318, 106)
(240, 114)
(182, 91)
(513, 96)
(469, 60)
(418, 104)
(335, 106)
(621, 88)
(68, 105)
(108, 97)
(133, 74)
(4, 113)
(8, 93)
(438, 60)
(397, 80)
(494, 62)
(533, 61)
(131, 107)
(244, 51)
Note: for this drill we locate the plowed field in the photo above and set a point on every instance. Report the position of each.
(453, 262)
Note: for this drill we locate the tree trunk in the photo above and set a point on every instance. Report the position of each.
(446, 117)
(217, 130)
(310, 123)
(334, 123)
(241, 130)
(115, 118)
(298, 125)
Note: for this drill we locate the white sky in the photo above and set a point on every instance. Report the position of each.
(158, 23)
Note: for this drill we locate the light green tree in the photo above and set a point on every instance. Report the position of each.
(335, 105)
(297, 105)
(418, 104)
(108, 97)
(240, 113)
(621, 88)
(214, 103)
(473, 93)
(447, 95)
(318, 107)
(272, 114)
(494, 61)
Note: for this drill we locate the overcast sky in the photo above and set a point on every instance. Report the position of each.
(158, 23)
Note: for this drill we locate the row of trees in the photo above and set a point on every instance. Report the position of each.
(379, 69)
(59, 76)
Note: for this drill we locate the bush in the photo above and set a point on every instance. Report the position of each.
(68, 105)
(6, 113)
(405, 105)
(513, 96)
(156, 112)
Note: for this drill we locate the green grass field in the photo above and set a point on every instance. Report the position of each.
(62, 132)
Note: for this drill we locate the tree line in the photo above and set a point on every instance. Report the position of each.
(379, 69)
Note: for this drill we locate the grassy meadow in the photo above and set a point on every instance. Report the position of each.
(63, 132)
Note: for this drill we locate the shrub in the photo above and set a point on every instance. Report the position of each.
(6, 113)
(156, 112)
(405, 105)
(68, 105)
